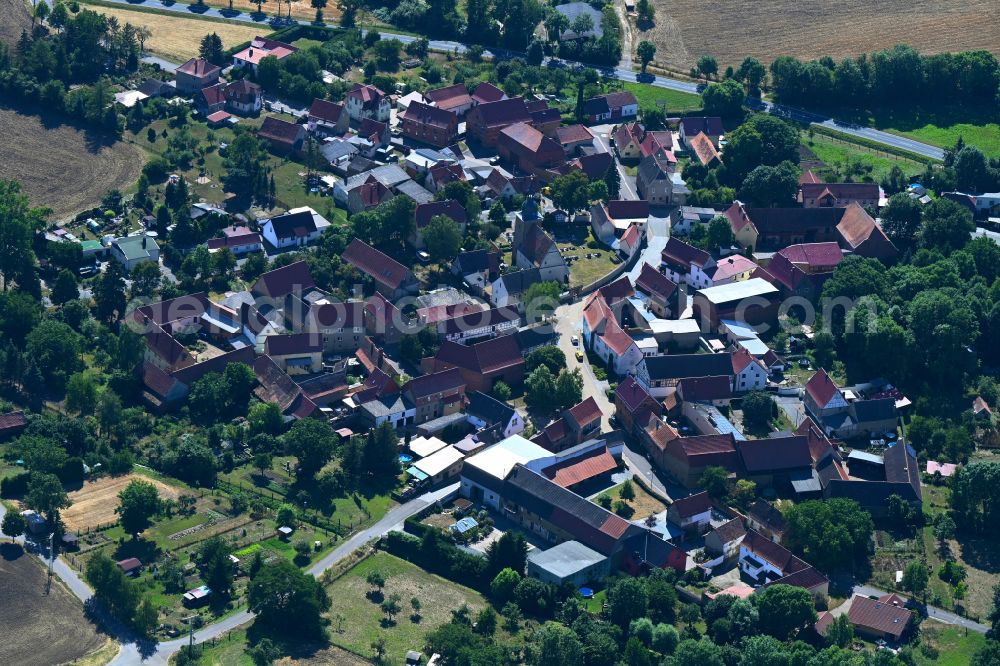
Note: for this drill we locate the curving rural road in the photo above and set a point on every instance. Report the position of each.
(624, 73)
(138, 653)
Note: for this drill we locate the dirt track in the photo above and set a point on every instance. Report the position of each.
(63, 168)
(95, 503)
(39, 628)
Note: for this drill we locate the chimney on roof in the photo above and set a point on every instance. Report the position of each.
(250, 52)
(144, 242)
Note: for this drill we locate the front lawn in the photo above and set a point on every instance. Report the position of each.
(356, 619)
(953, 646)
(676, 102)
(839, 156)
(642, 506)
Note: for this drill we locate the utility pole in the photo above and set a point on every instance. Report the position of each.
(190, 621)
(52, 554)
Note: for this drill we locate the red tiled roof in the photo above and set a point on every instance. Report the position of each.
(213, 95)
(840, 190)
(435, 382)
(741, 360)
(486, 92)
(485, 357)
(876, 615)
(574, 134)
(627, 210)
(382, 268)
(585, 412)
(692, 505)
(631, 393)
(678, 252)
(294, 277)
(433, 116)
(368, 94)
(817, 256)
(732, 266)
(423, 213)
(581, 468)
(279, 130)
(821, 388)
(704, 149)
(616, 338)
(294, 343)
(12, 421)
(504, 112)
(198, 67)
(620, 99)
(653, 282)
(449, 97)
(617, 290)
(774, 454)
(719, 387)
(326, 111)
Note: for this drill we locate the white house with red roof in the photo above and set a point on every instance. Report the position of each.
(685, 263)
(606, 338)
(367, 101)
(749, 374)
(822, 397)
(261, 48)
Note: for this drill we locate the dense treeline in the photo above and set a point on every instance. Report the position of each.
(65, 70)
(897, 76)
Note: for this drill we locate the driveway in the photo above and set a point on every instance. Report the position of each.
(628, 191)
(792, 407)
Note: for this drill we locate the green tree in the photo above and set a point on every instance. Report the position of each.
(568, 388)
(723, 99)
(510, 551)
(915, 577)
(13, 524)
(975, 499)
(707, 66)
(627, 601)
(211, 49)
(541, 388)
(138, 502)
(901, 219)
(109, 292)
(557, 646)
(65, 288)
(217, 569)
(287, 602)
(265, 417)
(646, 52)
(832, 535)
(715, 481)
(701, 652)
(784, 609)
(613, 179)
(245, 162)
(947, 226)
(840, 632)
(264, 652)
(571, 192)
(55, 349)
(81, 393)
(719, 233)
(758, 411)
(550, 356)
(541, 299)
(312, 442)
(46, 495)
(771, 185)
(443, 238)
(502, 587)
(20, 221)
(146, 279)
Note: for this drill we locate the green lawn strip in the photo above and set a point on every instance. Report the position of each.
(955, 646)
(362, 618)
(868, 143)
(832, 151)
(675, 100)
(985, 137)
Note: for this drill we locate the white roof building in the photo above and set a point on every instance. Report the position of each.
(426, 446)
(738, 291)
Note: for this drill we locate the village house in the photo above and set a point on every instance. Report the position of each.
(705, 151)
(573, 138)
(492, 418)
(836, 195)
(628, 140)
(686, 263)
(478, 268)
(339, 326)
(749, 374)
(260, 48)
(685, 459)
(603, 335)
(283, 138)
(429, 124)
(367, 194)
(535, 248)
(392, 278)
(485, 122)
(367, 101)
(692, 514)
(574, 426)
(655, 290)
(611, 107)
(528, 149)
(296, 353)
(634, 406)
(657, 182)
(483, 364)
(327, 118)
(470, 325)
(436, 394)
(440, 175)
(613, 218)
(241, 97)
(238, 240)
(692, 126)
(801, 270)
(659, 373)
(130, 251)
(486, 92)
(195, 74)
(859, 233)
(684, 218)
(725, 539)
(296, 228)
(765, 518)
(454, 99)
(508, 290)
(425, 212)
(770, 563)
(755, 301)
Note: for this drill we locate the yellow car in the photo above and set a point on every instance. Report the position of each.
(579, 356)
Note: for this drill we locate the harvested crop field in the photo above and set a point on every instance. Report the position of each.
(62, 167)
(14, 18)
(40, 628)
(812, 29)
(95, 503)
(178, 37)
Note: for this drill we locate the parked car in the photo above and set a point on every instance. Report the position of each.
(575, 340)
(579, 356)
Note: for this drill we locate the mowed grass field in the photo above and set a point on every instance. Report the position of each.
(675, 101)
(767, 29)
(62, 167)
(985, 137)
(362, 617)
(177, 38)
(14, 18)
(40, 628)
(95, 503)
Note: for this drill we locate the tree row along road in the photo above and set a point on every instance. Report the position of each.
(799, 115)
(139, 653)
